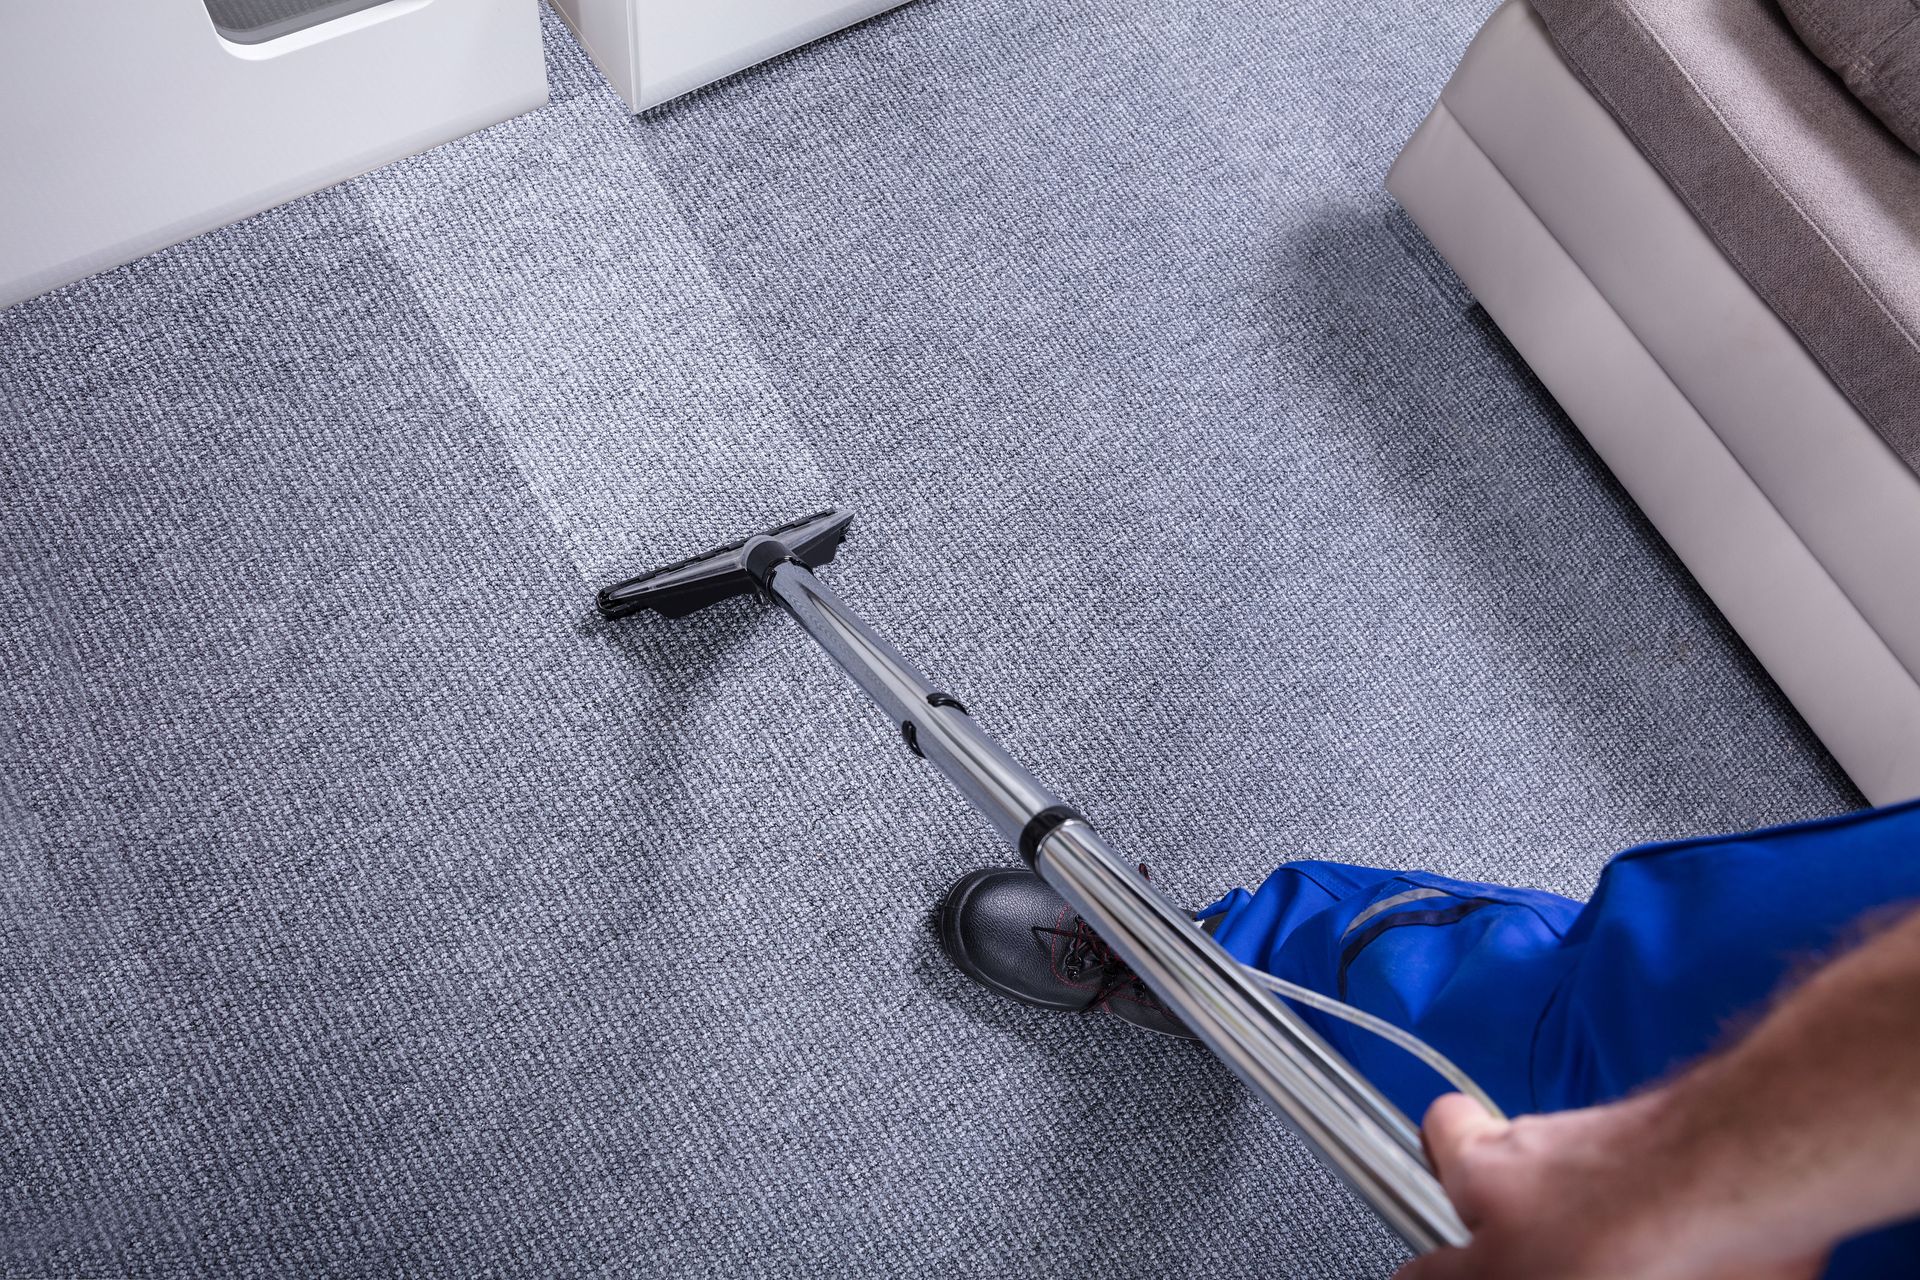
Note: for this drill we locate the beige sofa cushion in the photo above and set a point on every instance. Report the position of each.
(1809, 196)
(1873, 45)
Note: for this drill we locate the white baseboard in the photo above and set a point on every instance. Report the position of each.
(654, 50)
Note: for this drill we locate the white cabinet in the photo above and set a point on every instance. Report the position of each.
(652, 50)
(126, 125)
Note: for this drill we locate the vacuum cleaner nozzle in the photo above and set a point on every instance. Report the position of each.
(691, 585)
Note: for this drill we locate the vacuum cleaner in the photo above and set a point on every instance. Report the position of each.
(1360, 1134)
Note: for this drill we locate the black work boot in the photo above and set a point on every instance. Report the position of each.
(1007, 929)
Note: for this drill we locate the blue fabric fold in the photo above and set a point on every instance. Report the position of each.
(1551, 1004)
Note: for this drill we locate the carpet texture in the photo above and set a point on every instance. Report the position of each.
(370, 911)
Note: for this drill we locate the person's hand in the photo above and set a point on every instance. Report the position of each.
(1584, 1195)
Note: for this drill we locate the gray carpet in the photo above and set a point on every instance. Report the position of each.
(369, 911)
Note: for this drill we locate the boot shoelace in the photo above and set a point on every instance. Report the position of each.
(1087, 951)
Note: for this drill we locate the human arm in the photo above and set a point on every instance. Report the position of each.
(1753, 1163)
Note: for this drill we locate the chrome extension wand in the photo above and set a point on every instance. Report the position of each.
(1361, 1135)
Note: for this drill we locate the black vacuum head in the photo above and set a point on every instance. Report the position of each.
(725, 572)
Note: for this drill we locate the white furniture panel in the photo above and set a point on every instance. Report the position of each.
(653, 50)
(130, 125)
(1784, 504)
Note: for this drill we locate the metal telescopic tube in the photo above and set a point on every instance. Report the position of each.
(1365, 1138)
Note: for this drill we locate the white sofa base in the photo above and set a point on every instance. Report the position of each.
(1627, 388)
